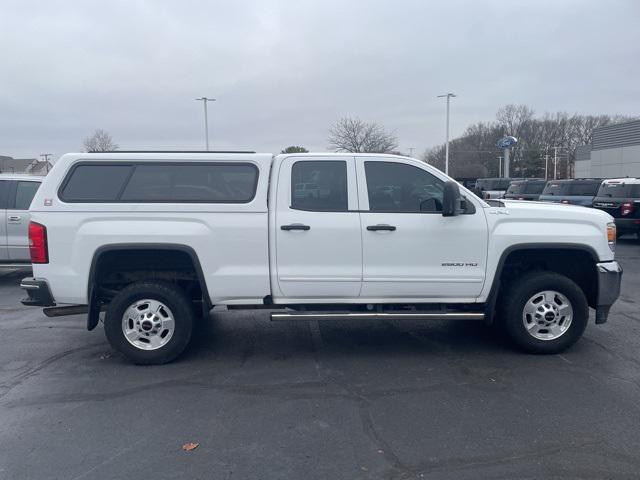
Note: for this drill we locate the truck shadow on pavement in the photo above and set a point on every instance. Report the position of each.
(246, 335)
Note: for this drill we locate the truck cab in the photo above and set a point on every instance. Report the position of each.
(152, 241)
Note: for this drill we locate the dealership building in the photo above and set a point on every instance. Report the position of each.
(614, 152)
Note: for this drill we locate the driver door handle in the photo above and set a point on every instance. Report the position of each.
(15, 218)
(375, 228)
(295, 226)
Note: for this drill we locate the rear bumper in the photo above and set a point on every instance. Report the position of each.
(627, 225)
(15, 265)
(609, 280)
(38, 293)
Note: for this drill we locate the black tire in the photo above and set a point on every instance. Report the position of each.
(512, 302)
(170, 295)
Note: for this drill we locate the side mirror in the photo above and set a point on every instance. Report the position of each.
(451, 199)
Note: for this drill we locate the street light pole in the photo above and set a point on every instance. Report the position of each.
(446, 151)
(204, 100)
(46, 156)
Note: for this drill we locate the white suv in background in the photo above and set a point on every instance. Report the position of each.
(16, 193)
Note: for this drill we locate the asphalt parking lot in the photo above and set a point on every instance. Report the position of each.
(320, 400)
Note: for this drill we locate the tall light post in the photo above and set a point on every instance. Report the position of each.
(45, 157)
(205, 100)
(446, 151)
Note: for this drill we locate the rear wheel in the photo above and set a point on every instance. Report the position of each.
(544, 312)
(149, 322)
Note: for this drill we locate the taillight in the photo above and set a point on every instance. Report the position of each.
(38, 243)
(626, 208)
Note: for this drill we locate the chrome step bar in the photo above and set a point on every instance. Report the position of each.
(293, 315)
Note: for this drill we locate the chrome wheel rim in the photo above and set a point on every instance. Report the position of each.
(148, 324)
(547, 315)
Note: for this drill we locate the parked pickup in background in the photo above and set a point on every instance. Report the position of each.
(620, 198)
(156, 240)
(491, 188)
(579, 191)
(16, 193)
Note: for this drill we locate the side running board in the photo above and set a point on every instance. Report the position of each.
(294, 315)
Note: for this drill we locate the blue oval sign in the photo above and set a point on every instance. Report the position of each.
(506, 142)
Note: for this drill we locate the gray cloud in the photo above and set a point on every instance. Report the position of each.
(283, 71)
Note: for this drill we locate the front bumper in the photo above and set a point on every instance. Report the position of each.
(38, 293)
(609, 280)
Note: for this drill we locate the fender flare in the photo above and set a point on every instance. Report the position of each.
(93, 316)
(490, 304)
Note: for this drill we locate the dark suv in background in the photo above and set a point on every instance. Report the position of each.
(527, 189)
(620, 198)
(579, 191)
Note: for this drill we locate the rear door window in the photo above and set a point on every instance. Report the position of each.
(25, 191)
(4, 193)
(319, 186)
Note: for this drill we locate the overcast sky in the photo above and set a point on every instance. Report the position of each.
(283, 71)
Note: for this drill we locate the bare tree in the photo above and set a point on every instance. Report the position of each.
(295, 149)
(536, 138)
(355, 136)
(100, 141)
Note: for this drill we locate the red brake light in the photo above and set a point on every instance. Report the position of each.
(627, 208)
(38, 243)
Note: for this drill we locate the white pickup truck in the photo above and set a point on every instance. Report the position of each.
(157, 239)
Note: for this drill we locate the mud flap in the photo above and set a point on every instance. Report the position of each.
(93, 316)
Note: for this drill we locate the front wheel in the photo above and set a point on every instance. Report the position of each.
(150, 323)
(544, 312)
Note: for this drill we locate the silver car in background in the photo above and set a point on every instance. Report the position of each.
(16, 193)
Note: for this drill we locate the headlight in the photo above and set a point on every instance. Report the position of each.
(611, 236)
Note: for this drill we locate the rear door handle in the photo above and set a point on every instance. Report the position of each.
(14, 218)
(375, 228)
(295, 226)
